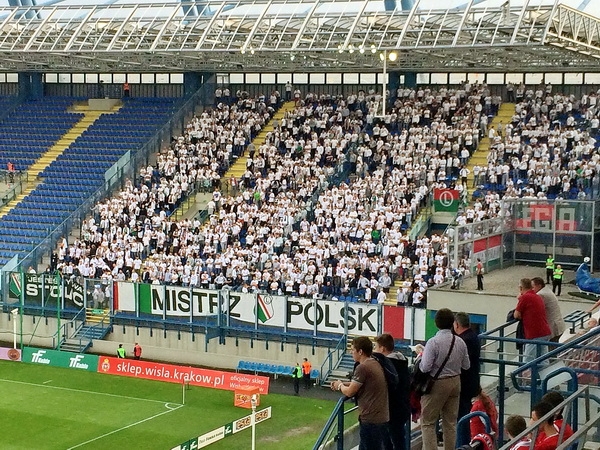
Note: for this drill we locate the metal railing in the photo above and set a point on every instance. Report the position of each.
(18, 180)
(333, 358)
(463, 432)
(560, 353)
(73, 325)
(333, 431)
(567, 407)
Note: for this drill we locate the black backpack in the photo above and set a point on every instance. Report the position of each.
(398, 380)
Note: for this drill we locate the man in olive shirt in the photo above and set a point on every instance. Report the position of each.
(369, 387)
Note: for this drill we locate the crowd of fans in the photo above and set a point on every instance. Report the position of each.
(354, 243)
(547, 151)
(288, 229)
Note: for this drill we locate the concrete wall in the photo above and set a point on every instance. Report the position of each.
(175, 348)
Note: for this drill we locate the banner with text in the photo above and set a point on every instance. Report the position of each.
(229, 429)
(45, 290)
(558, 216)
(258, 310)
(171, 373)
(60, 359)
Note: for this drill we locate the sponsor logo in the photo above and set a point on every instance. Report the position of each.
(61, 359)
(446, 199)
(10, 354)
(38, 357)
(105, 365)
(75, 363)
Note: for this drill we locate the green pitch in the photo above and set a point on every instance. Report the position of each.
(52, 408)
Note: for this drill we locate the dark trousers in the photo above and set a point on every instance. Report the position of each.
(397, 436)
(373, 436)
(556, 284)
(306, 380)
(464, 405)
(549, 274)
(296, 385)
(479, 282)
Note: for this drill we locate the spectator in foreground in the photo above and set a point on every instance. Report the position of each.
(553, 313)
(485, 404)
(514, 426)
(469, 379)
(444, 357)
(531, 312)
(547, 438)
(369, 386)
(555, 398)
(399, 400)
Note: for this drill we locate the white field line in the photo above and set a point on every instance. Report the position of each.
(169, 410)
(46, 382)
(84, 391)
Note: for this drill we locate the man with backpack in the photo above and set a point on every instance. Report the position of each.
(369, 385)
(398, 391)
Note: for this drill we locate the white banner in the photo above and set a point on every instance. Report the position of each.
(260, 309)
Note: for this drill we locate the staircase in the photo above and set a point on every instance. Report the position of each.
(55, 151)
(480, 155)
(96, 326)
(238, 168)
(342, 372)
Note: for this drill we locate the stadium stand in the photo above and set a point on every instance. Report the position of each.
(79, 171)
(294, 229)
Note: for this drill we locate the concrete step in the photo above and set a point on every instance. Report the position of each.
(74, 348)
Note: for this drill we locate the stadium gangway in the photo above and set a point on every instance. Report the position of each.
(577, 368)
(334, 357)
(501, 359)
(70, 327)
(568, 406)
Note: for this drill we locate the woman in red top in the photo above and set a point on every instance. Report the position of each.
(485, 404)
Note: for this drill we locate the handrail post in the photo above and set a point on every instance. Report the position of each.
(340, 425)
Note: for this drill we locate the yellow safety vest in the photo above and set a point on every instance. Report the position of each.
(558, 274)
(550, 263)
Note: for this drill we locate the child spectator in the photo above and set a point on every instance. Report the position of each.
(514, 426)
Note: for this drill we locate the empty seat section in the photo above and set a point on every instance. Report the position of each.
(33, 127)
(79, 171)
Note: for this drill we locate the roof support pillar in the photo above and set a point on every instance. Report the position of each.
(31, 86)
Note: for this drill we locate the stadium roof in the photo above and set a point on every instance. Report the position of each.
(307, 35)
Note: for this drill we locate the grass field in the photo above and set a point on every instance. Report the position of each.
(52, 408)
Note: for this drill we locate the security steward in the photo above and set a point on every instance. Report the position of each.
(557, 279)
(296, 376)
(549, 269)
